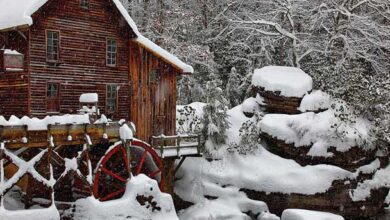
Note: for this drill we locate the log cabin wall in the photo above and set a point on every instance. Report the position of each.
(82, 55)
(14, 85)
(153, 101)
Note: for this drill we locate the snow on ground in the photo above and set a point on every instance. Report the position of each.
(50, 213)
(262, 171)
(290, 81)
(315, 101)
(315, 129)
(127, 207)
(301, 214)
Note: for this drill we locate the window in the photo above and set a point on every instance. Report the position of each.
(111, 52)
(52, 45)
(84, 4)
(112, 97)
(154, 76)
(52, 97)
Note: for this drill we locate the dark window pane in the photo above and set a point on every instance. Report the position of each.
(52, 45)
(111, 98)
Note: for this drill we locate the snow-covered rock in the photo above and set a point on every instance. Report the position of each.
(250, 105)
(315, 101)
(301, 214)
(363, 191)
(289, 81)
(316, 130)
(127, 207)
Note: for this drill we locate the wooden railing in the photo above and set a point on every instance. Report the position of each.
(177, 145)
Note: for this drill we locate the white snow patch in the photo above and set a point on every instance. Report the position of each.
(309, 128)
(42, 124)
(301, 214)
(290, 81)
(250, 105)
(148, 44)
(317, 100)
(18, 12)
(126, 133)
(50, 213)
(11, 52)
(363, 191)
(127, 207)
(263, 171)
(89, 98)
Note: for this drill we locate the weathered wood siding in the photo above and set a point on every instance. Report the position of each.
(14, 86)
(13, 94)
(82, 63)
(153, 107)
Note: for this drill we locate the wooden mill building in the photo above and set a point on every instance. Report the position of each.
(52, 51)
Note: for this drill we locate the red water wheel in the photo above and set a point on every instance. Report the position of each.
(112, 171)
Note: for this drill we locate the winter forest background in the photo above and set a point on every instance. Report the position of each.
(343, 44)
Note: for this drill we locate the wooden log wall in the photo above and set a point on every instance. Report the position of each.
(13, 94)
(153, 107)
(14, 86)
(82, 63)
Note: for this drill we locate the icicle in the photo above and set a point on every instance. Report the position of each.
(88, 139)
(51, 141)
(2, 180)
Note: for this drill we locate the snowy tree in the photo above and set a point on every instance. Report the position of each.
(232, 88)
(249, 136)
(215, 115)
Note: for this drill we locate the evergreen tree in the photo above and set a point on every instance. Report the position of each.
(232, 92)
(215, 113)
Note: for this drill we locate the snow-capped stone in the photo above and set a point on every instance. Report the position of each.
(250, 105)
(315, 101)
(289, 81)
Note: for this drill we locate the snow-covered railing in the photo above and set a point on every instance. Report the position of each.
(177, 145)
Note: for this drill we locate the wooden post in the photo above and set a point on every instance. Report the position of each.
(178, 140)
(127, 144)
(2, 173)
(162, 147)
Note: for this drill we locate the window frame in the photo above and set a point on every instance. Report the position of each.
(47, 98)
(108, 99)
(47, 45)
(84, 4)
(110, 52)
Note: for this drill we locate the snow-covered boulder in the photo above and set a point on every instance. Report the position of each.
(317, 138)
(289, 81)
(250, 106)
(315, 101)
(281, 87)
(301, 214)
(128, 207)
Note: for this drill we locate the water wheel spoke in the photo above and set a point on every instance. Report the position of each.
(116, 176)
(141, 163)
(152, 175)
(113, 194)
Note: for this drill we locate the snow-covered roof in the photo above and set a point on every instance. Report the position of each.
(290, 81)
(17, 13)
(165, 55)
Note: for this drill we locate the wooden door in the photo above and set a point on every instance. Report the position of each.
(53, 97)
